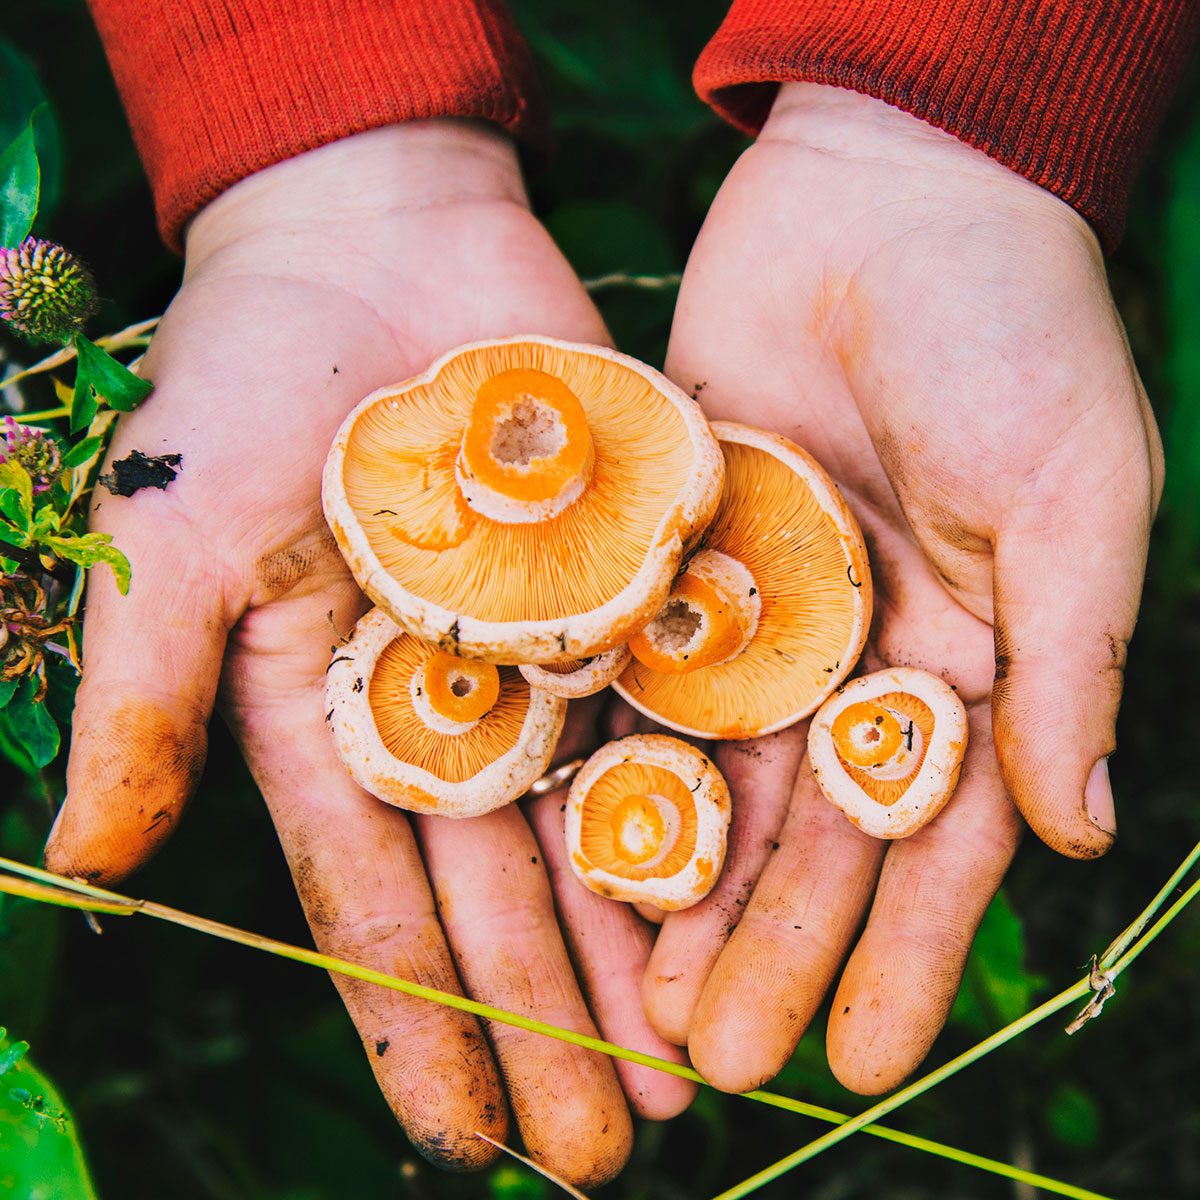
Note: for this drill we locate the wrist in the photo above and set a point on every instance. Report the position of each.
(360, 181)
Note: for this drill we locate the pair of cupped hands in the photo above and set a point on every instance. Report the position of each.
(936, 330)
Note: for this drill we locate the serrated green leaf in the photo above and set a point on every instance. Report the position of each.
(88, 549)
(82, 453)
(20, 180)
(16, 482)
(100, 372)
(32, 725)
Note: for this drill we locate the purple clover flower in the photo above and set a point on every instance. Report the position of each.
(35, 450)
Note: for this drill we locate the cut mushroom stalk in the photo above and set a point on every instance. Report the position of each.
(431, 732)
(527, 451)
(647, 820)
(887, 749)
(771, 615)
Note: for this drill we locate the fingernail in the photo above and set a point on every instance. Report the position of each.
(1098, 799)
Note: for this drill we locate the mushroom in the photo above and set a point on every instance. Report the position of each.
(771, 614)
(578, 677)
(525, 500)
(647, 819)
(887, 749)
(431, 732)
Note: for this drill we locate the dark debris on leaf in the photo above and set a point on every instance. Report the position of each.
(138, 470)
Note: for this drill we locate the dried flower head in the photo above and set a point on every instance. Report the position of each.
(35, 450)
(46, 293)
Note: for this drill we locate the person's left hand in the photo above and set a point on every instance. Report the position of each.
(939, 333)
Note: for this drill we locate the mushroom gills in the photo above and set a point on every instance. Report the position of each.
(527, 450)
(708, 619)
(638, 822)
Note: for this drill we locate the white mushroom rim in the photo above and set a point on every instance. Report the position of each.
(892, 784)
(669, 810)
(376, 769)
(584, 677)
(560, 638)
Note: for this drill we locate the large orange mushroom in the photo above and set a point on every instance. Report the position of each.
(887, 749)
(525, 500)
(647, 820)
(431, 732)
(771, 614)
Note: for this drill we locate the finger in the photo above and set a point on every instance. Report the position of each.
(139, 732)
(901, 980)
(610, 946)
(361, 881)
(498, 913)
(782, 958)
(1068, 580)
(760, 774)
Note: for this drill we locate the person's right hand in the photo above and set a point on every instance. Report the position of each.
(307, 286)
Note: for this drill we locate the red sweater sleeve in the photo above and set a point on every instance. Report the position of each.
(1067, 93)
(218, 89)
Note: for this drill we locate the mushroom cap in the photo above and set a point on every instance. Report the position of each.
(920, 766)
(578, 677)
(782, 517)
(395, 756)
(688, 809)
(568, 586)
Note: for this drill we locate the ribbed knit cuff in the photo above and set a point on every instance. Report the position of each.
(218, 89)
(1067, 93)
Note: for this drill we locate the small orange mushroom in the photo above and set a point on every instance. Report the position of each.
(647, 821)
(771, 614)
(525, 500)
(578, 677)
(431, 732)
(887, 749)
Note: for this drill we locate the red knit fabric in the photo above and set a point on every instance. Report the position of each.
(1067, 93)
(218, 89)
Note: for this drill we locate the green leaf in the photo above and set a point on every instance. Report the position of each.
(82, 453)
(32, 725)
(12, 1054)
(22, 94)
(100, 372)
(1073, 1117)
(20, 179)
(89, 549)
(997, 987)
(7, 688)
(42, 1155)
(16, 500)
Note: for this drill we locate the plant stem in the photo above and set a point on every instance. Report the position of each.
(49, 414)
(1110, 964)
(56, 889)
(131, 335)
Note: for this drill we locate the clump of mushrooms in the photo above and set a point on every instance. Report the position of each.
(771, 614)
(467, 500)
(431, 732)
(647, 819)
(887, 749)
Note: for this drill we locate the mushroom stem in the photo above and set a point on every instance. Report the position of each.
(451, 695)
(879, 739)
(709, 617)
(645, 829)
(527, 450)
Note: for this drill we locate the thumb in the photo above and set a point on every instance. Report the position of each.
(151, 664)
(1067, 582)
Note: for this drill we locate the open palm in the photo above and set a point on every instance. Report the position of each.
(939, 334)
(307, 287)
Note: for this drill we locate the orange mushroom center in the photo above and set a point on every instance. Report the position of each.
(638, 828)
(451, 694)
(709, 617)
(527, 450)
(882, 742)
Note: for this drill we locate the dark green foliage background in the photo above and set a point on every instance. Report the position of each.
(198, 1071)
